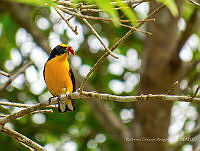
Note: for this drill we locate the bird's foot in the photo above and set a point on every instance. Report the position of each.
(69, 103)
(50, 100)
(67, 93)
(60, 97)
(61, 103)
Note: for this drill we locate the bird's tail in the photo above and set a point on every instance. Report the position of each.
(66, 106)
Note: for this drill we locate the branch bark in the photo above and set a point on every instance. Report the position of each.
(100, 18)
(67, 21)
(14, 76)
(100, 96)
(193, 2)
(22, 139)
(21, 105)
(4, 73)
(35, 112)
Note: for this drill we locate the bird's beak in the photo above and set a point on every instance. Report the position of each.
(70, 49)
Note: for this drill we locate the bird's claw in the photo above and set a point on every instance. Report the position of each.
(50, 100)
(60, 97)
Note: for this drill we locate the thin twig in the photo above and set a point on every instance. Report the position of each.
(139, 2)
(99, 38)
(134, 4)
(136, 29)
(25, 112)
(26, 146)
(99, 10)
(193, 2)
(4, 73)
(91, 6)
(67, 21)
(21, 105)
(70, 18)
(133, 30)
(3, 115)
(173, 87)
(103, 57)
(196, 91)
(101, 18)
(42, 111)
(14, 76)
(22, 139)
(35, 112)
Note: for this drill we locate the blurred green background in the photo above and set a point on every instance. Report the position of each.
(30, 32)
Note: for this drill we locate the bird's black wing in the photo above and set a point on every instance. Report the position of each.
(44, 72)
(71, 74)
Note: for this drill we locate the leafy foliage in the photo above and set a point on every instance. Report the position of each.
(80, 126)
(38, 3)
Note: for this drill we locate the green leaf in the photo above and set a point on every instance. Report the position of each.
(45, 3)
(127, 11)
(107, 7)
(171, 5)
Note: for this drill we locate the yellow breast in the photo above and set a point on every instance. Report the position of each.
(57, 76)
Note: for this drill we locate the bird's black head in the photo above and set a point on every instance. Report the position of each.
(61, 49)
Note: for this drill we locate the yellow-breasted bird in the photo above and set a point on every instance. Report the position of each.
(58, 75)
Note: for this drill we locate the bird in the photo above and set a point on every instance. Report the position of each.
(59, 77)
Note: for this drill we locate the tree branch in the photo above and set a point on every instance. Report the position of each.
(22, 139)
(103, 57)
(136, 29)
(94, 8)
(100, 96)
(67, 21)
(98, 37)
(101, 18)
(89, 6)
(21, 105)
(14, 76)
(4, 73)
(193, 2)
(35, 112)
